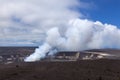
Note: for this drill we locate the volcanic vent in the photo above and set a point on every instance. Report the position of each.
(81, 55)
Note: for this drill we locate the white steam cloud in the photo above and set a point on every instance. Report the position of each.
(79, 35)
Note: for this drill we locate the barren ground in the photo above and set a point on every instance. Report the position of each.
(80, 70)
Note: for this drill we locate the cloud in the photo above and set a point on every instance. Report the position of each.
(34, 17)
(27, 22)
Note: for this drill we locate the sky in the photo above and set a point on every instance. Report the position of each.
(106, 11)
(22, 22)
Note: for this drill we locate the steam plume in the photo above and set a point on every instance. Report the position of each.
(80, 35)
(75, 34)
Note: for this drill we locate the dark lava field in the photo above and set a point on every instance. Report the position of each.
(101, 69)
(79, 70)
